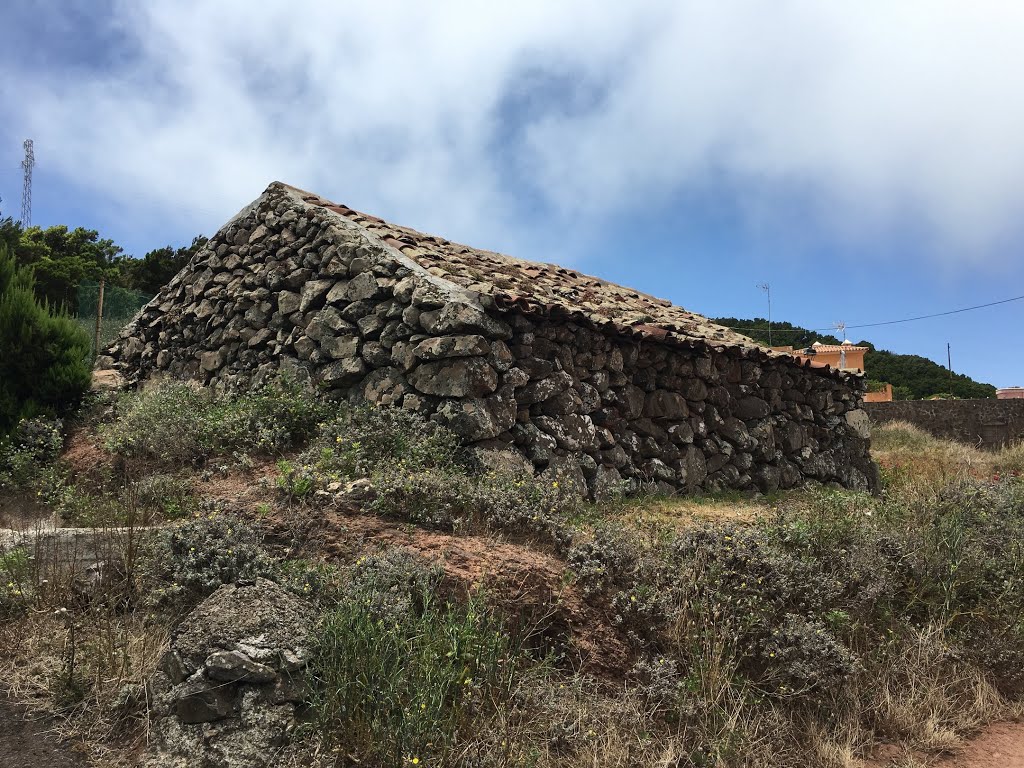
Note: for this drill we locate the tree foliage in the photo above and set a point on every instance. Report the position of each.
(44, 363)
(920, 377)
(782, 334)
(153, 271)
(62, 259)
(913, 377)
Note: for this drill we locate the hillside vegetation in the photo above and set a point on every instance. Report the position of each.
(62, 259)
(913, 377)
(470, 615)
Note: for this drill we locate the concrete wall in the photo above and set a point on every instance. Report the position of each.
(985, 423)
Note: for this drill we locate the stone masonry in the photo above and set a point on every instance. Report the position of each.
(585, 379)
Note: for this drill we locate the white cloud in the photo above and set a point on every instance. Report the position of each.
(879, 112)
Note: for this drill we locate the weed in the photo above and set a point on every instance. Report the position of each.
(404, 676)
(211, 550)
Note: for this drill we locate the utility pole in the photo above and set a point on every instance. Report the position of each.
(767, 288)
(949, 365)
(26, 190)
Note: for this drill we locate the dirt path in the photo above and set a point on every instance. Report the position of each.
(27, 742)
(998, 746)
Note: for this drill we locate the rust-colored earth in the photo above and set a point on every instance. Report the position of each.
(998, 746)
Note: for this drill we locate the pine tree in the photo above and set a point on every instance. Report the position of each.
(44, 355)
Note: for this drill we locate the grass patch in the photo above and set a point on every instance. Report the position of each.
(403, 677)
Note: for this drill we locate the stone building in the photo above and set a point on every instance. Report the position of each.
(583, 378)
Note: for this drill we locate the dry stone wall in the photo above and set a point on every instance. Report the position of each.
(983, 423)
(287, 285)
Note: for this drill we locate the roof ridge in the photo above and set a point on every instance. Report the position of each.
(508, 282)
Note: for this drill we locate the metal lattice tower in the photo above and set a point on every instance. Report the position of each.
(26, 191)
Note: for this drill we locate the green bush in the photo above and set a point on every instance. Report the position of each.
(174, 423)
(212, 550)
(33, 444)
(401, 677)
(500, 503)
(368, 439)
(15, 580)
(169, 422)
(44, 364)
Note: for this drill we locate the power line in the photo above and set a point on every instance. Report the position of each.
(887, 322)
(937, 314)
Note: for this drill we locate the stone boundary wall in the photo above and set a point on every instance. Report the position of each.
(291, 285)
(984, 423)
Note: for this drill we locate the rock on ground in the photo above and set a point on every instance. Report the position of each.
(228, 685)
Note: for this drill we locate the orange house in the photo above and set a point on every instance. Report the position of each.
(845, 356)
(1010, 393)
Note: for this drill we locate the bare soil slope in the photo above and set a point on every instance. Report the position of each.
(28, 742)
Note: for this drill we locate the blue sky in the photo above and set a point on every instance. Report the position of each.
(865, 159)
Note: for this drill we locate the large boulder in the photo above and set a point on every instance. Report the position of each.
(228, 684)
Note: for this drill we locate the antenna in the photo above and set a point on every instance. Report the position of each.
(26, 191)
(841, 327)
(767, 288)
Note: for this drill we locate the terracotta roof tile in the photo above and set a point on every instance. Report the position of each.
(548, 289)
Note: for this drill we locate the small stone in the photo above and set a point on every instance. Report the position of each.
(235, 666)
(462, 377)
(204, 703)
(452, 346)
(212, 361)
(751, 408)
(662, 404)
(362, 287)
(340, 347)
(314, 294)
(343, 372)
(288, 302)
(455, 318)
(859, 422)
(470, 419)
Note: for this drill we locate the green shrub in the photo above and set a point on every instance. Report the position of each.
(164, 496)
(174, 423)
(401, 677)
(33, 444)
(368, 439)
(15, 580)
(44, 364)
(611, 557)
(212, 550)
(168, 422)
(496, 502)
(277, 416)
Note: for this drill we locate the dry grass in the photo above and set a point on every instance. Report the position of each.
(679, 512)
(81, 649)
(912, 458)
(909, 456)
(929, 698)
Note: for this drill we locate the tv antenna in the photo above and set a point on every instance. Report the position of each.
(841, 327)
(767, 288)
(26, 190)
